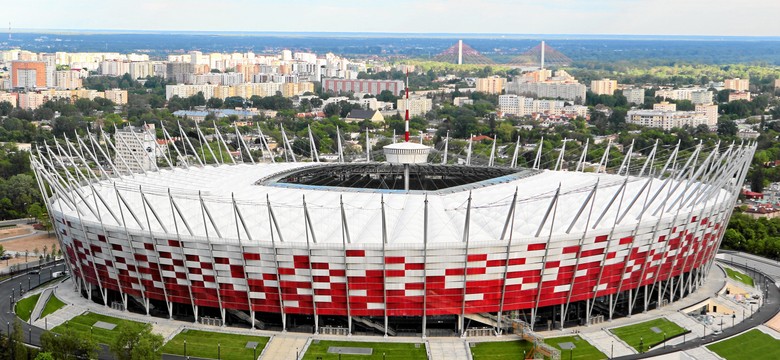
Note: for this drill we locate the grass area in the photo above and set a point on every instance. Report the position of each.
(203, 344)
(751, 345)
(736, 275)
(52, 305)
(392, 350)
(83, 324)
(24, 307)
(642, 333)
(500, 350)
(583, 350)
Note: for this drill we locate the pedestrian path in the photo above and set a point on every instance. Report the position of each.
(608, 343)
(284, 347)
(448, 348)
(702, 353)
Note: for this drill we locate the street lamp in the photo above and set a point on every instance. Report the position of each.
(30, 332)
(733, 316)
(185, 348)
(219, 351)
(254, 353)
(664, 340)
(641, 344)
(612, 350)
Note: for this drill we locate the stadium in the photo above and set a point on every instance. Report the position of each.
(389, 249)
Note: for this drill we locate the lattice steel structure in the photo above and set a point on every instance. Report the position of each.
(234, 241)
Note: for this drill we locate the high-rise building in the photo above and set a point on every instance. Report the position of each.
(180, 72)
(491, 85)
(634, 96)
(28, 74)
(136, 147)
(118, 96)
(67, 80)
(737, 84)
(374, 87)
(603, 87)
(418, 105)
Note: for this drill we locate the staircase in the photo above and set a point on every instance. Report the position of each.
(244, 316)
(373, 325)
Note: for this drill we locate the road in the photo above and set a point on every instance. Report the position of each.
(758, 268)
(9, 291)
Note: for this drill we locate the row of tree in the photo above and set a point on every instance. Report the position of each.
(134, 341)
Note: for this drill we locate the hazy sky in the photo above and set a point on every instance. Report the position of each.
(656, 17)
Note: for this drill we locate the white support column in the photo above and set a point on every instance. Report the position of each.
(146, 205)
(204, 212)
(590, 199)
(466, 237)
(238, 217)
(205, 141)
(344, 239)
(132, 249)
(174, 208)
(110, 249)
(384, 260)
(511, 222)
(425, 268)
(272, 225)
(553, 209)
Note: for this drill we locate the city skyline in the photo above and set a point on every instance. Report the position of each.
(600, 17)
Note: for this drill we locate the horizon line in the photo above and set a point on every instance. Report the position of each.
(560, 36)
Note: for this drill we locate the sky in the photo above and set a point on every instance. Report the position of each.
(614, 17)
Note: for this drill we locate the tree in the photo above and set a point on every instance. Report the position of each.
(136, 342)
(16, 342)
(5, 108)
(214, 103)
(69, 345)
(44, 356)
(727, 128)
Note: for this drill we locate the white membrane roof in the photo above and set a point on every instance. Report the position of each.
(404, 212)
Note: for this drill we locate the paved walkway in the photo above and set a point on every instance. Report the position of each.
(284, 346)
(448, 348)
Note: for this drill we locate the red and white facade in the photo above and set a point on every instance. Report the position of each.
(221, 237)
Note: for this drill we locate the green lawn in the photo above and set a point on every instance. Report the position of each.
(500, 350)
(52, 305)
(736, 275)
(392, 350)
(583, 350)
(751, 345)
(203, 344)
(83, 324)
(24, 307)
(635, 334)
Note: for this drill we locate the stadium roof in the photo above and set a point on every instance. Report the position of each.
(259, 202)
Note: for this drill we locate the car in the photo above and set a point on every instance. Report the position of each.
(34, 271)
(5, 257)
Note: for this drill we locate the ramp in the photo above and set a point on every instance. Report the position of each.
(41, 304)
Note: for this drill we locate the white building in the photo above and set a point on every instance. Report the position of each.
(695, 95)
(136, 147)
(667, 118)
(634, 96)
(603, 87)
(418, 106)
(554, 90)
